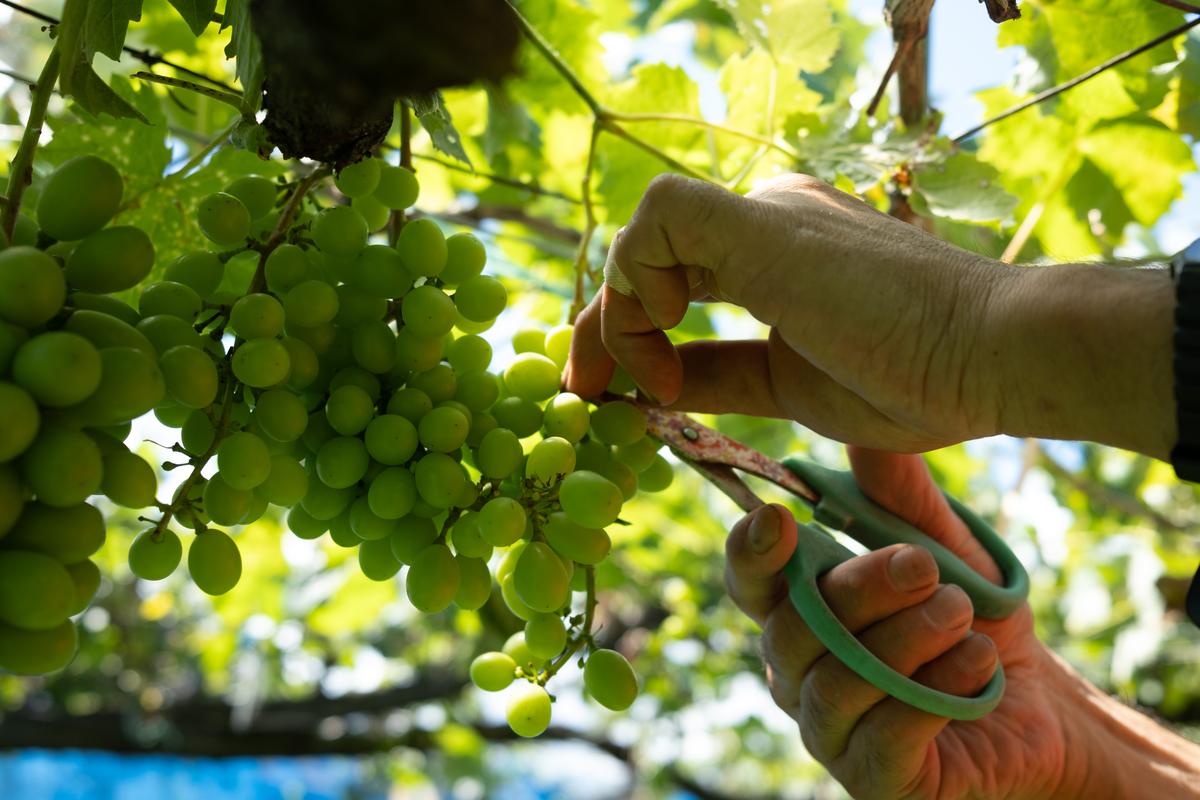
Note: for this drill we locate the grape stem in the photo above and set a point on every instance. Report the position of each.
(585, 631)
(229, 98)
(21, 174)
(259, 282)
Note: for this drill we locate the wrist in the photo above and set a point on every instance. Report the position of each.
(1084, 352)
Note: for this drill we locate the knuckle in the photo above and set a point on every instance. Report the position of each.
(789, 183)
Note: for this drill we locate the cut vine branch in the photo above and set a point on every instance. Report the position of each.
(21, 174)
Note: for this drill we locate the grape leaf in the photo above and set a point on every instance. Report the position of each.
(508, 125)
(106, 25)
(434, 117)
(70, 41)
(244, 45)
(800, 33)
(94, 95)
(962, 188)
(1145, 160)
(196, 13)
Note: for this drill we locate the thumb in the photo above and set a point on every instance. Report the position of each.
(757, 549)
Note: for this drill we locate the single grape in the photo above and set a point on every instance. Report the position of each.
(281, 415)
(21, 421)
(412, 404)
(303, 361)
(481, 298)
(310, 303)
(422, 247)
(24, 652)
(197, 433)
(432, 579)
(256, 316)
(254, 510)
(224, 219)
(190, 376)
(366, 524)
(512, 598)
(618, 423)
(286, 485)
(522, 417)
(305, 525)
(286, 266)
(499, 454)
(379, 271)
(590, 499)
(622, 477)
(610, 680)
(440, 479)
(529, 711)
(168, 297)
(465, 258)
(223, 504)
(482, 423)
(358, 179)
(243, 461)
(214, 562)
(545, 635)
(443, 429)
(165, 331)
(342, 462)
(374, 346)
(501, 521)
(340, 230)
(416, 354)
(516, 649)
(318, 431)
(374, 212)
(639, 455)
(529, 340)
(79, 198)
(391, 439)
(551, 459)
(256, 193)
(62, 467)
(573, 541)
(392, 493)
(558, 344)
(657, 476)
(493, 671)
(131, 384)
(349, 409)
(397, 188)
(540, 579)
(478, 391)
(58, 368)
(469, 353)
(261, 363)
(621, 382)
(86, 577)
(128, 480)
(466, 540)
(32, 289)
(356, 307)
(201, 270)
(410, 536)
(12, 498)
(340, 532)
(11, 339)
(474, 583)
(152, 556)
(567, 416)
(357, 376)
(428, 312)
(67, 534)
(439, 383)
(25, 233)
(376, 560)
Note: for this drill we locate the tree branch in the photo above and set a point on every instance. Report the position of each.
(21, 174)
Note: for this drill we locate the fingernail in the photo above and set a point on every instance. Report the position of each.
(646, 397)
(977, 653)
(764, 529)
(949, 607)
(912, 568)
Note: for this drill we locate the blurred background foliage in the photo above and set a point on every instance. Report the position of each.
(307, 656)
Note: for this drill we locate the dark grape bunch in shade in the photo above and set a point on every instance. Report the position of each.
(345, 381)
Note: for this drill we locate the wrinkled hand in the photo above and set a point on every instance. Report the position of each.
(875, 745)
(873, 322)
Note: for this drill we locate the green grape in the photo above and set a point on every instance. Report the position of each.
(358, 179)
(550, 460)
(412, 404)
(610, 679)
(340, 532)
(422, 247)
(392, 493)
(440, 479)
(342, 462)
(214, 562)
(305, 525)
(499, 454)
(197, 433)
(516, 649)
(349, 409)
(410, 536)
(474, 583)
(529, 711)
(286, 267)
(376, 560)
(374, 212)
(67, 534)
(428, 312)
(501, 521)
(540, 579)
(356, 376)
(223, 504)
(12, 498)
(224, 219)
(443, 429)
(131, 384)
(256, 316)
(286, 485)
(391, 439)
(256, 193)
(481, 298)
(319, 338)
(303, 361)
(318, 431)
(379, 271)
(478, 391)
(493, 672)
(532, 377)
(32, 289)
(465, 258)
(529, 340)
(397, 188)
(24, 652)
(21, 421)
(522, 417)
(657, 476)
(202, 271)
(545, 635)
(512, 599)
(80, 197)
(153, 558)
(573, 541)
(439, 383)
(466, 540)
(128, 480)
(622, 477)
(164, 332)
(638, 455)
(590, 499)
(36, 592)
(469, 353)
(58, 368)
(468, 496)
(11, 338)
(417, 354)
(457, 406)
(618, 423)
(366, 524)
(261, 363)
(482, 423)
(86, 577)
(190, 376)
(243, 461)
(280, 415)
(340, 231)
(432, 579)
(558, 344)
(254, 511)
(356, 307)
(310, 303)
(566, 416)
(168, 297)
(25, 233)
(62, 466)
(374, 346)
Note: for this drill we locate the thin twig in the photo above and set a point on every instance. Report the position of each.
(766, 141)
(902, 50)
(1182, 6)
(1054, 91)
(582, 269)
(1024, 231)
(618, 131)
(21, 173)
(556, 61)
(501, 180)
(231, 98)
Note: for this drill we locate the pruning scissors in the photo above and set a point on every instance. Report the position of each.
(837, 503)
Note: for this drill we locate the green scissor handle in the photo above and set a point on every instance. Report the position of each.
(844, 507)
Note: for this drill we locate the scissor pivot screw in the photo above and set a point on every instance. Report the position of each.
(691, 434)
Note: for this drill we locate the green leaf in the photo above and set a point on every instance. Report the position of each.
(508, 125)
(800, 33)
(244, 45)
(434, 117)
(95, 96)
(1145, 159)
(196, 13)
(106, 25)
(963, 188)
(70, 41)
